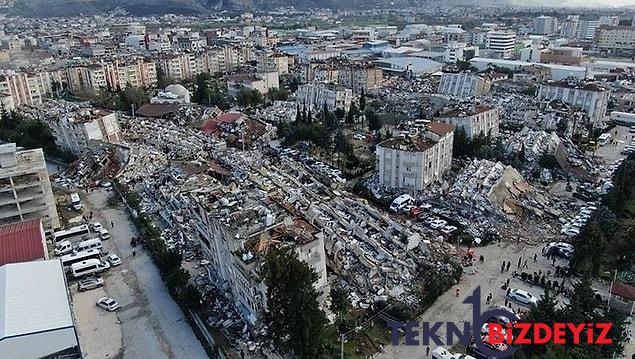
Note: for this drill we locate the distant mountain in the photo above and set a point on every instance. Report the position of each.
(147, 7)
(150, 7)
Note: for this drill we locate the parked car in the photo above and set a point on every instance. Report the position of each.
(96, 227)
(114, 260)
(439, 223)
(449, 229)
(522, 296)
(104, 234)
(108, 304)
(89, 283)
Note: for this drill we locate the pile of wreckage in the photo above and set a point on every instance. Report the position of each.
(101, 164)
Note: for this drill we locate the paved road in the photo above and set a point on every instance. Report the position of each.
(152, 324)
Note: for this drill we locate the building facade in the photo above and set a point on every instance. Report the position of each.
(475, 120)
(76, 131)
(463, 84)
(593, 99)
(616, 39)
(502, 42)
(317, 95)
(415, 162)
(25, 189)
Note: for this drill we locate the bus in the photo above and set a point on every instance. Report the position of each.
(71, 232)
(72, 258)
(76, 202)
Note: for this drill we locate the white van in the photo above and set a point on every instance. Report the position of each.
(400, 202)
(604, 139)
(63, 247)
(94, 243)
(76, 202)
(89, 266)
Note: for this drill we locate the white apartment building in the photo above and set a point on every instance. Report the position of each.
(616, 39)
(475, 120)
(545, 25)
(415, 162)
(459, 51)
(586, 29)
(463, 84)
(75, 131)
(502, 42)
(262, 82)
(590, 97)
(25, 189)
(316, 95)
(358, 77)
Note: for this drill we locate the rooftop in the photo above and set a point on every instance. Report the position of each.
(33, 298)
(22, 242)
(414, 144)
(440, 128)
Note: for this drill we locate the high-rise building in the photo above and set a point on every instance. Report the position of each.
(25, 189)
(545, 25)
(569, 28)
(502, 42)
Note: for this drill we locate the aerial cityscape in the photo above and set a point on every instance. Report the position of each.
(317, 179)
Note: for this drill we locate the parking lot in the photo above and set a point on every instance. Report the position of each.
(612, 151)
(148, 323)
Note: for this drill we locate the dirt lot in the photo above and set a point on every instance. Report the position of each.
(488, 276)
(149, 324)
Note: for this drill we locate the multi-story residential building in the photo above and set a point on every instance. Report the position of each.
(116, 75)
(475, 120)
(562, 55)
(502, 42)
(463, 84)
(459, 51)
(617, 39)
(358, 77)
(25, 189)
(569, 28)
(586, 30)
(590, 97)
(262, 82)
(609, 20)
(237, 227)
(415, 162)
(29, 88)
(77, 131)
(316, 95)
(545, 25)
(7, 101)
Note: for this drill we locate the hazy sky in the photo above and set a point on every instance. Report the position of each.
(584, 3)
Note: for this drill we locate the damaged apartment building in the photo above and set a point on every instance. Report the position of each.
(413, 161)
(474, 119)
(78, 127)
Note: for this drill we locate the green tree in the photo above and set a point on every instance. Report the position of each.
(132, 96)
(462, 144)
(352, 114)
(374, 121)
(296, 323)
(162, 80)
(362, 101)
(277, 94)
(201, 89)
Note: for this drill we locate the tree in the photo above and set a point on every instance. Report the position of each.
(162, 80)
(340, 305)
(362, 101)
(132, 96)
(461, 145)
(277, 94)
(201, 88)
(352, 114)
(248, 97)
(298, 115)
(374, 121)
(296, 323)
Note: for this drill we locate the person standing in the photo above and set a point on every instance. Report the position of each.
(458, 291)
(520, 261)
(509, 264)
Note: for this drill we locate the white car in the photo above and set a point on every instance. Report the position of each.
(104, 234)
(570, 231)
(407, 208)
(448, 229)
(108, 304)
(439, 223)
(114, 260)
(522, 296)
(96, 227)
(89, 283)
